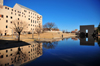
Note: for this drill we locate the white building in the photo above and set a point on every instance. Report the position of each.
(8, 14)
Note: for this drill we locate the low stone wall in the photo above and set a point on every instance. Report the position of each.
(54, 31)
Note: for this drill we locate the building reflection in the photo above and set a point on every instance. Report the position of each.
(74, 38)
(20, 54)
(87, 41)
(50, 45)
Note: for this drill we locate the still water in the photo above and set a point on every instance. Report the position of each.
(66, 52)
(69, 52)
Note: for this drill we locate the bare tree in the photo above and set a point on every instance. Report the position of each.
(49, 25)
(18, 26)
(38, 30)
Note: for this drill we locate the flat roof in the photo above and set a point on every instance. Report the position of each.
(26, 8)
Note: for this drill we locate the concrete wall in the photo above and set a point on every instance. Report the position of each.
(89, 27)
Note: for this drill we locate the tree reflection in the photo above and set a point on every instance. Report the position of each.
(50, 45)
(18, 57)
(39, 49)
(98, 40)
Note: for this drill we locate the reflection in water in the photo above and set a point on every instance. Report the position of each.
(98, 40)
(49, 45)
(87, 41)
(74, 38)
(19, 55)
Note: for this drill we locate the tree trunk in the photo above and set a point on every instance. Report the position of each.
(18, 36)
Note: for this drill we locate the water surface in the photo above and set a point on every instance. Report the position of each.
(69, 52)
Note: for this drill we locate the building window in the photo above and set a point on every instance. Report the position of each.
(29, 12)
(31, 24)
(1, 56)
(37, 21)
(6, 26)
(6, 16)
(33, 13)
(10, 54)
(11, 12)
(15, 13)
(25, 11)
(33, 21)
(18, 14)
(6, 21)
(28, 18)
(29, 52)
(25, 16)
(29, 15)
(8, 8)
(15, 10)
(2, 16)
(11, 17)
(12, 9)
(22, 15)
(5, 7)
(6, 55)
(28, 24)
(11, 58)
(18, 18)
(12, 61)
(11, 22)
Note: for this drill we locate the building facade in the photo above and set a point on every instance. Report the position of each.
(18, 12)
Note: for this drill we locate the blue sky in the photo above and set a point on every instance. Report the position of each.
(66, 14)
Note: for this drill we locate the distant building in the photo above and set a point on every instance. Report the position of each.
(76, 30)
(8, 14)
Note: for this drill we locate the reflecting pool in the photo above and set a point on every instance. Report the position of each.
(66, 52)
(69, 52)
